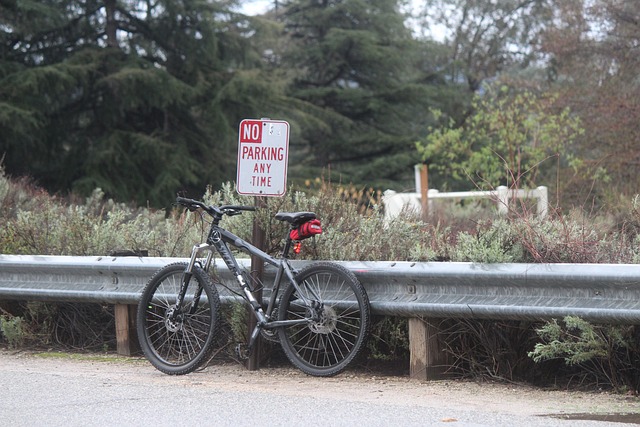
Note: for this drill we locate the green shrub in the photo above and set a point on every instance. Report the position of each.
(606, 354)
(65, 325)
(98, 227)
(494, 242)
(389, 340)
(13, 330)
(489, 348)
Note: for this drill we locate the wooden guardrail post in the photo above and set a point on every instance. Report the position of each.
(423, 179)
(126, 336)
(428, 360)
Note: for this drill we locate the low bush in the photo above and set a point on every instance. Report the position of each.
(12, 330)
(66, 325)
(604, 355)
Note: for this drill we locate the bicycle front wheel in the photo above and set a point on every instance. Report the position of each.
(338, 321)
(178, 339)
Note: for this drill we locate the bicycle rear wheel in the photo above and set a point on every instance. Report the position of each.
(178, 340)
(326, 345)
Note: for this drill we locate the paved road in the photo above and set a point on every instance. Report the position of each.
(62, 391)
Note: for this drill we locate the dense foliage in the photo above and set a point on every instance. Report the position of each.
(511, 138)
(143, 99)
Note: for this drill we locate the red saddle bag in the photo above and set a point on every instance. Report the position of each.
(306, 230)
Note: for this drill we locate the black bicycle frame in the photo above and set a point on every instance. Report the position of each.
(219, 238)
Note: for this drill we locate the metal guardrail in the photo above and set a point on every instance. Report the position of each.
(75, 279)
(597, 292)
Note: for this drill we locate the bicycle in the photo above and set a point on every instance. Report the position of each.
(321, 316)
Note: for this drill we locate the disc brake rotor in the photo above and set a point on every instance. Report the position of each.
(173, 322)
(327, 323)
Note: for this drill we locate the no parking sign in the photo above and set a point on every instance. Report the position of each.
(263, 154)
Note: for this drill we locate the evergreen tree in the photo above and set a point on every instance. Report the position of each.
(357, 69)
(138, 98)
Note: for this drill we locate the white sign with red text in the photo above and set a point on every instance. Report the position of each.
(263, 154)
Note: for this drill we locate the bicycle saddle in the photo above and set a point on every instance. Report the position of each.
(295, 218)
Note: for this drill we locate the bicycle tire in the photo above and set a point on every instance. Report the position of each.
(180, 345)
(326, 347)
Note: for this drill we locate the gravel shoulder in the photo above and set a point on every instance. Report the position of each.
(352, 387)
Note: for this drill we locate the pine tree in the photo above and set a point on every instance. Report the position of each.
(137, 98)
(358, 73)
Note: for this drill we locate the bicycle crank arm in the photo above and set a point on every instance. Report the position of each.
(254, 337)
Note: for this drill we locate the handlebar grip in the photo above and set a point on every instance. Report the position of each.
(183, 201)
(193, 205)
(190, 204)
(238, 208)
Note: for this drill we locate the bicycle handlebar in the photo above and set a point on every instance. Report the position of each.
(230, 210)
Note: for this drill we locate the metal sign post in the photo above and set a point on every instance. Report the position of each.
(263, 154)
(257, 273)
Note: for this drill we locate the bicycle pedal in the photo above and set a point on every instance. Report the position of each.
(242, 351)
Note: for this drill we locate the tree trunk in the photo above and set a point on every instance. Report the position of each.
(112, 27)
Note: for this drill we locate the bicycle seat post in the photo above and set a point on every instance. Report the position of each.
(287, 245)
